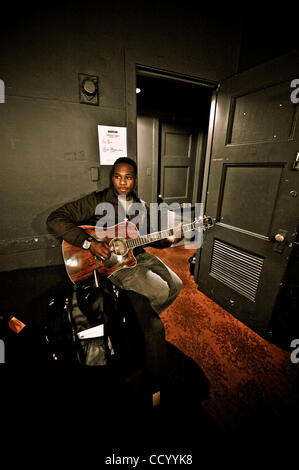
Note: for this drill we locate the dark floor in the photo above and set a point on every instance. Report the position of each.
(94, 410)
(59, 393)
(101, 409)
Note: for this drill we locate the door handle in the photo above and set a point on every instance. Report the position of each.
(279, 237)
(279, 240)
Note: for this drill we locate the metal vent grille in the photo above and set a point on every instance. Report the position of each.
(237, 269)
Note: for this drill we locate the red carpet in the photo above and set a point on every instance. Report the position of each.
(249, 377)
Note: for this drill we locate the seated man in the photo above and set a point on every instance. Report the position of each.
(150, 277)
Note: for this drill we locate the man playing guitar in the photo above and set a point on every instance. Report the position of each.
(147, 276)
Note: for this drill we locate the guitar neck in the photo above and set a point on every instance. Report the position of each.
(153, 237)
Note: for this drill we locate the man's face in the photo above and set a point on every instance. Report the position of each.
(123, 179)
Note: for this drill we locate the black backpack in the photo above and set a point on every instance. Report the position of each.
(79, 308)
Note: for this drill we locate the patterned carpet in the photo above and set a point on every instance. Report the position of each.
(251, 380)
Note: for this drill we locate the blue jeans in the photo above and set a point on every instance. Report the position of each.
(151, 278)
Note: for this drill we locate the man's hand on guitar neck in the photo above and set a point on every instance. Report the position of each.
(178, 234)
(100, 249)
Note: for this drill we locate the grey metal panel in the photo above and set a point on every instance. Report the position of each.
(176, 182)
(248, 123)
(248, 194)
(237, 269)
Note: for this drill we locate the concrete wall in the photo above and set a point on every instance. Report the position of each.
(48, 140)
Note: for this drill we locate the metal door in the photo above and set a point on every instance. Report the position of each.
(253, 191)
(178, 156)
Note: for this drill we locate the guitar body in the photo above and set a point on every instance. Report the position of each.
(81, 263)
(122, 238)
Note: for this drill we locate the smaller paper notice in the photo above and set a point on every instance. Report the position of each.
(112, 143)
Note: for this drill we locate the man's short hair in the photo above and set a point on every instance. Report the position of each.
(127, 160)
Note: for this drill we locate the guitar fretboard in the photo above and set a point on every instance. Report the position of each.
(153, 237)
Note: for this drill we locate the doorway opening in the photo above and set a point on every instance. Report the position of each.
(172, 126)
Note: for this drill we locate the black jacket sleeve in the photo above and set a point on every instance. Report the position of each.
(64, 221)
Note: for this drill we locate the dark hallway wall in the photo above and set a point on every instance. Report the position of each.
(266, 34)
(49, 140)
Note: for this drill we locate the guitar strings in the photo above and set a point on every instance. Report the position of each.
(138, 241)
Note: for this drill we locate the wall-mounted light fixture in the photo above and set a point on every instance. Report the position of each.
(88, 89)
(138, 90)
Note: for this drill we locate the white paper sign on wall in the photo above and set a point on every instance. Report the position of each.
(112, 143)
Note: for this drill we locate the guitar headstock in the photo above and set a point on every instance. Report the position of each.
(205, 222)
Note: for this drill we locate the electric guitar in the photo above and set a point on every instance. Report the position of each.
(122, 238)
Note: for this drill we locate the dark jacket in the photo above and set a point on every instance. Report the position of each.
(65, 220)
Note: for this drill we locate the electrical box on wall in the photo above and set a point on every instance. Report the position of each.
(89, 89)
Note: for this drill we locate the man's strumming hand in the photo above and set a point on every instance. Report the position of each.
(100, 249)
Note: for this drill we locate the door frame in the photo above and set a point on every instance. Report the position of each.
(132, 63)
(206, 171)
(155, 72)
